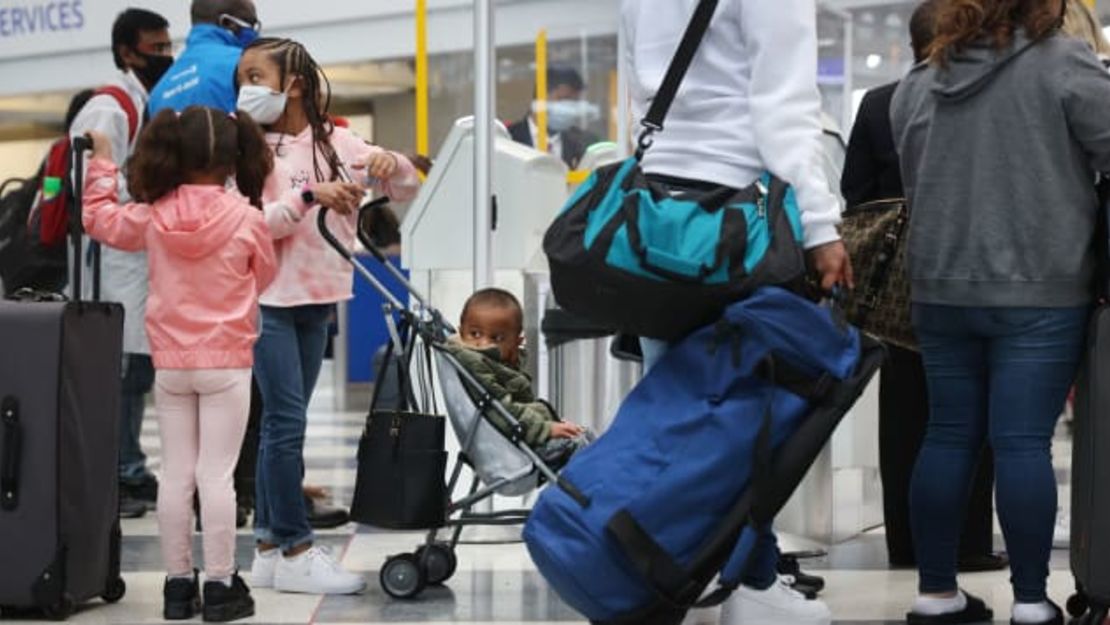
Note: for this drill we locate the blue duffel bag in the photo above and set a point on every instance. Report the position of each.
(701, 456)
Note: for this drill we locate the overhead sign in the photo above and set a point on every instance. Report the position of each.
(42, 27)
(31, 28)
(30, 19)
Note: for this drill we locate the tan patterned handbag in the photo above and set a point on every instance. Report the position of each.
(875, 234)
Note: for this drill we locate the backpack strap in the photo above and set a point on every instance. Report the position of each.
(680, 64)
(127, 104)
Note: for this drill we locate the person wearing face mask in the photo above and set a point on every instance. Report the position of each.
(141, 48)
(286, 91)
(566, 109)
(204, 74)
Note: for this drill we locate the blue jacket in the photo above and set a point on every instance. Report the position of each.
(203, 75)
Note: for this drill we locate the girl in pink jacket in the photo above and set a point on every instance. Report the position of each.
(285, 90)
(210, 256)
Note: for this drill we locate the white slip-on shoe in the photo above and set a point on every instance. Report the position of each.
(263, 567)
(776, 605)
(316, 572)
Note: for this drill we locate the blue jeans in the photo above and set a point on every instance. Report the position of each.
(287, 360)
(138, 379)
(763, 571)
(1001, 374)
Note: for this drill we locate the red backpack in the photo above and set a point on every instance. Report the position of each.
(49, 218)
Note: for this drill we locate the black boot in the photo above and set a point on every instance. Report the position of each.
(223, 603)
(241, 516)
(131, 508)
(808, 585)
(323, 517)
(181, 599)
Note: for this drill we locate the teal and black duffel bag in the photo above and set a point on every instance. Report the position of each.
(627, 253)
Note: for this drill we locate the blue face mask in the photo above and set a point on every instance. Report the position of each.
(246, 36)
(245, 32)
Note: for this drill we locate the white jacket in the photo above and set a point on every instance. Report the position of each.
(124, 274)
(749, 103)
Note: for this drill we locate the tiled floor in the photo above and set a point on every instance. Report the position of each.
(498, 584)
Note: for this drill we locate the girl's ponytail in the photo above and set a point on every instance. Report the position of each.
(156, 168)
(254, 160)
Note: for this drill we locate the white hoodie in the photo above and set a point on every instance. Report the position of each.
(749, 103)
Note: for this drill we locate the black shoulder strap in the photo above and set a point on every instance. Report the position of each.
(680, 64)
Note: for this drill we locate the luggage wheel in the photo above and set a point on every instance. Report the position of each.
(438, 561)
(117, 588)
(1077, 605)
(60, 611)
(402, 577)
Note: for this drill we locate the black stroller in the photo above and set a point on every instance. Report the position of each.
(402, 460)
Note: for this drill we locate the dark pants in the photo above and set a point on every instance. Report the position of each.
(247, 467)
(903, 417)
(1003, 375)
(138, 379)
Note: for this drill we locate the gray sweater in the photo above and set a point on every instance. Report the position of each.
(999, 152)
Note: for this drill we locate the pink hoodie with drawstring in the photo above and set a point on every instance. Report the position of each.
(210, 255)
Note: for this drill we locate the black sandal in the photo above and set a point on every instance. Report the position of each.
(976, 611)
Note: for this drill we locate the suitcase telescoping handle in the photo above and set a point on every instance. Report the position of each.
(78, 147)
(10, 454)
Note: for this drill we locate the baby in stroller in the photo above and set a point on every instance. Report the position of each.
(489, 346)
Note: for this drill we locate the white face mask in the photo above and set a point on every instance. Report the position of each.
(564, 114)
(263, 104)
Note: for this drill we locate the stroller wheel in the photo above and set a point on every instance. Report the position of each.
(1077, 605)
(402, 577)
(439, 562)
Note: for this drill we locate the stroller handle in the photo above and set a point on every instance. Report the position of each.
(325, 231)
(366, 242)
(439, 324)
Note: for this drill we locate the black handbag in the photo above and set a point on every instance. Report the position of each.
(402, 464)
(401, 467)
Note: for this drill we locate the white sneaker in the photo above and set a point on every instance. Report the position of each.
(1061, 535)
(777, 605)
(263, 567)
(316, 572)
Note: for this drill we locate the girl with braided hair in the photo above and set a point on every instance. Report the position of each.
(316, 164)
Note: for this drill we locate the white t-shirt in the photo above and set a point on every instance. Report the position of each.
(749, 103)
(124, 276)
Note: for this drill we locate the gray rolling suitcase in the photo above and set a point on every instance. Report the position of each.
(59, 444)
(1090, 489)
(1090, 495)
